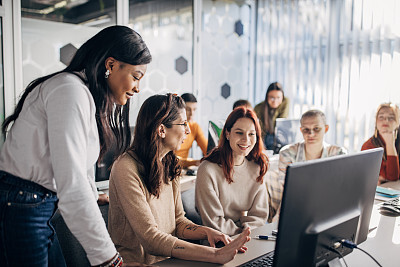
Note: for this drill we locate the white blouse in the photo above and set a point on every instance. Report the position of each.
(54, 142)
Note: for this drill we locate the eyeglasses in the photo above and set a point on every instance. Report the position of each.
(309, 131)
(383, 118)
(185, 124)
(274, 98)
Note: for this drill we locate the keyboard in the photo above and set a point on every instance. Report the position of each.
(393, 202)
(264, 260)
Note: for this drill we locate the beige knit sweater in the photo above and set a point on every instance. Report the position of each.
(221, 205)
(143, 228)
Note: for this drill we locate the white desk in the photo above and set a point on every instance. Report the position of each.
(383, 243)
(187, 182)
(255, 246)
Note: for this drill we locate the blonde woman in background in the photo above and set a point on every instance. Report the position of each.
(386, 133)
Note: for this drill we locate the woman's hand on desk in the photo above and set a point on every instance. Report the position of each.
(381, 180)
(214, 236)
(103, 199)
(228, 252)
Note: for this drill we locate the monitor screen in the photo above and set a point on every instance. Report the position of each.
(325, 201)
(287, 131)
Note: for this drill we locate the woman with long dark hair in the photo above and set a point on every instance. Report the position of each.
(386, 136)
(146, 216)
(230, 190)
(59, 126)
(275, 105)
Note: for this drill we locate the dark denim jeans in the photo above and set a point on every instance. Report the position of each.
(26, 236)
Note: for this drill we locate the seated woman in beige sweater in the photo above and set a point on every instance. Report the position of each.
(146, 218)
(230, 193)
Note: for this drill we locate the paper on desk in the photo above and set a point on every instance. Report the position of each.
(382, 197)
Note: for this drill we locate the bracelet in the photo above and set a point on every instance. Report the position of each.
(116, 261)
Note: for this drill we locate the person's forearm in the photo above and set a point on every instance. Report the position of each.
(194, 232)
(189, 251)
(391, 150)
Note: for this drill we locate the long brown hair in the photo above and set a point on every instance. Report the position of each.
(269, 124)
(222, 154)
(121, 43)
(156, 110)
(376, 140)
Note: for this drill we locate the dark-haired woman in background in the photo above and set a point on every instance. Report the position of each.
(275, 105)
(146, 216)
(386, 133)
(61, 123)
(230, 192)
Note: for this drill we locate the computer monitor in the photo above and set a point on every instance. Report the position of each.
(287, 131)
(325, 201)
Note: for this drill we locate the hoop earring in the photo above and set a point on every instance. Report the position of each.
(107, 74)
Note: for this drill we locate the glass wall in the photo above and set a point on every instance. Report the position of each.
(338, 56)
(225, 57)
(224, 41)
(167, 28)
(53, 30)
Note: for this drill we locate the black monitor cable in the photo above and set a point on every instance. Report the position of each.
(349, 244)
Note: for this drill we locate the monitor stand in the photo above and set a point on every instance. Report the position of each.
(318, 241)
(335, 263)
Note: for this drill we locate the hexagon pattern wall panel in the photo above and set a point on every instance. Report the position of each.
(67, 52)
(181, 65)
(225, 90)
(225, 57)
(169, 37)
(239, 28)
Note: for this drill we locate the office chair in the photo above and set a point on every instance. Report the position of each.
(214, 132)
(74, 254)
(188, 202)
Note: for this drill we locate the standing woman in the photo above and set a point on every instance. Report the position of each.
(386, 132)
(59, 126)
(275, 105)
(230, 192)
(146, 218)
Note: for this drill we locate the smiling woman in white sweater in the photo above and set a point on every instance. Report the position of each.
(230, 192)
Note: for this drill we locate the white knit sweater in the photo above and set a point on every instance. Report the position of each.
(222, 205)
